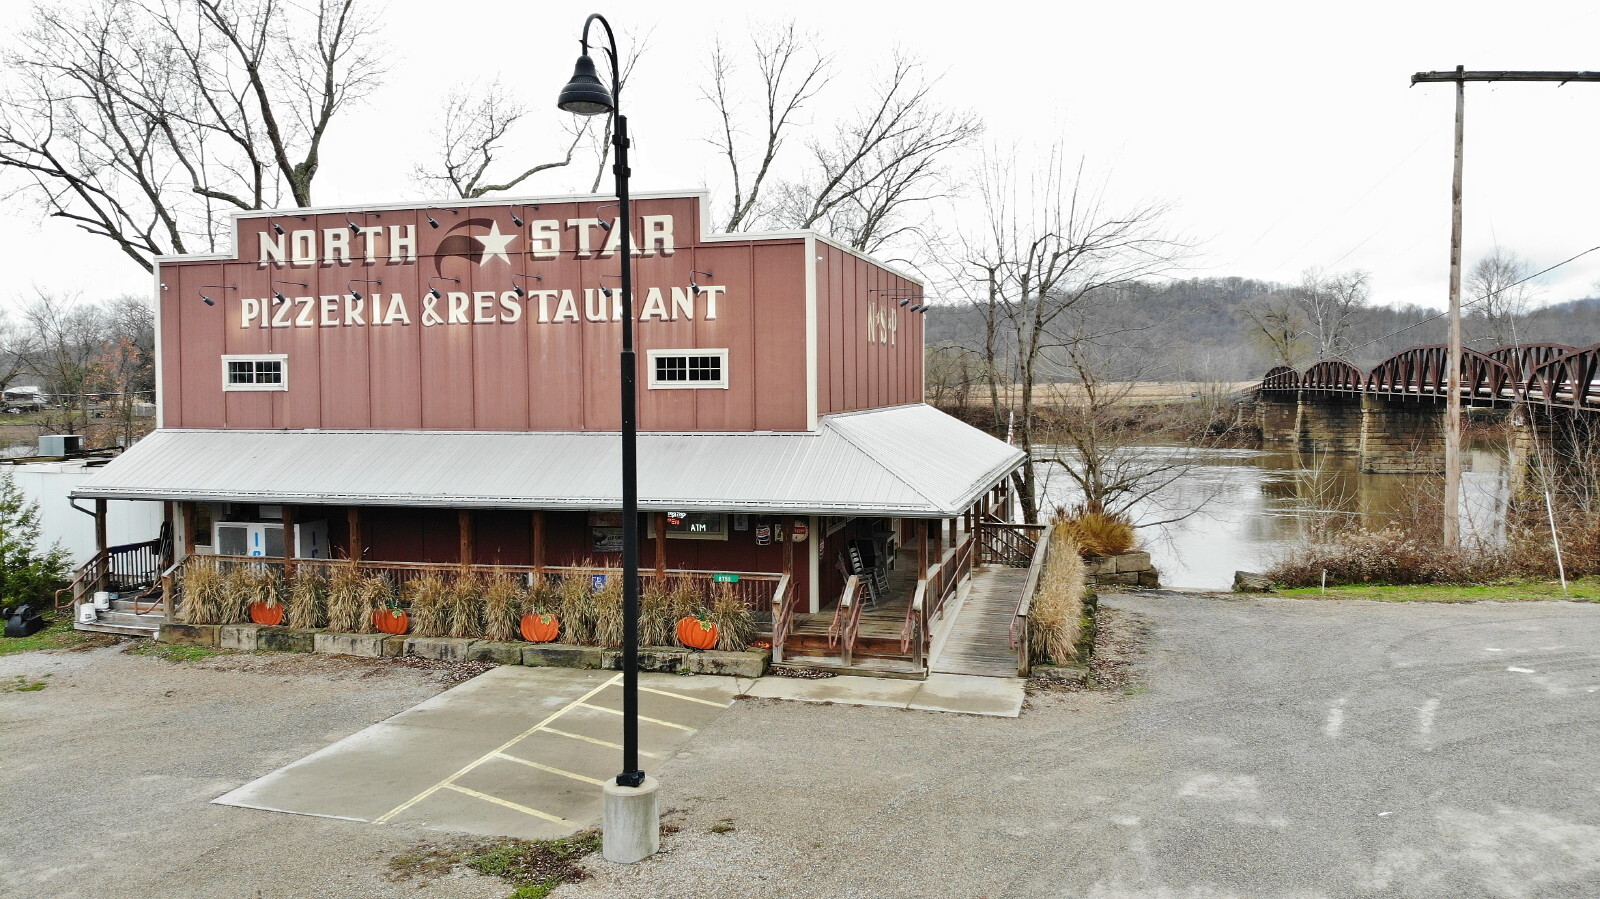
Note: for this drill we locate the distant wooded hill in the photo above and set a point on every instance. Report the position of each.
(1200, 330)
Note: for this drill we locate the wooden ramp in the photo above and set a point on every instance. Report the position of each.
(980, 639)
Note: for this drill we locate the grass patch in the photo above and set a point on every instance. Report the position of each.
(173, 652)
(534, 867)
(57, 635)
(22, 684)
(1580, 590)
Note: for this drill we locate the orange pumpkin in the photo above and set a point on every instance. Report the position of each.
(538, 628)
(391, 621)
(261, 613)
(697, 634)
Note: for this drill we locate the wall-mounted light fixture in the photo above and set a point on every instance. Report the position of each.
(277, 228)
(604, 290)
(356, 293)
(694, 286)
(434, 291)
(205, 287)
(280, 298)
(433, 223)
(517, 219)
(517, 288)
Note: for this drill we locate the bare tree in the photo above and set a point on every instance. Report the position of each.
(791, 71)
(476, 121)
(147, 121)
(1497, 286)
(1051, 245)
(1333, 303)
(879, 163)
(1276, 325)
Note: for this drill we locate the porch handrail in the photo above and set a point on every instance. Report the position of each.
(1020, 640)
(92, 571)
(916, 626)
(842, 628)
(139, 565)
(1006, 543)
(783, 602)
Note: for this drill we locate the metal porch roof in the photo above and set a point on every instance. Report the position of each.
(909, 461)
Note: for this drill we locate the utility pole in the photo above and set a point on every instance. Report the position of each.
(1452, 434)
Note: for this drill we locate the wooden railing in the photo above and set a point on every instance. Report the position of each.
(131, 566)
(952, 570)
(756, 588)
(913, 635)
(846, 620)
(1019, 622)
(783, 605)
(1004, 543)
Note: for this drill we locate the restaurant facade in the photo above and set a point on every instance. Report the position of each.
(437, 385)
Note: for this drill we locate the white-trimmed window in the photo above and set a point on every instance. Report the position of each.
(262, 371)
(688, 369)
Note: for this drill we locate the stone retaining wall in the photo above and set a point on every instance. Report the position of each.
(1126, 570)
(256, 637)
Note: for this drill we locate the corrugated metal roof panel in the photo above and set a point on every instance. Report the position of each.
(909, 461)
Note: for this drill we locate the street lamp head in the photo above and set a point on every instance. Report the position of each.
(584, 94)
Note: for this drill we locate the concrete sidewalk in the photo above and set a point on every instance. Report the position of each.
(999, 697)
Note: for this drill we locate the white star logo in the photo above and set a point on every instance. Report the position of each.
(494, 244)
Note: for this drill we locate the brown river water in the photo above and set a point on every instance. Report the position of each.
(1254, 504)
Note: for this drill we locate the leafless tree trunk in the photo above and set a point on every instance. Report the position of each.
(147, 121)
(1277, 326)
(1497, 287)
(791, 72)
(1333, 304)
(1050, 245)
(476, 120)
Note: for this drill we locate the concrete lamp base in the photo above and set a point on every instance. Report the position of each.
(631, 822)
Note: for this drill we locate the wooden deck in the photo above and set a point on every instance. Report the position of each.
(980, 638)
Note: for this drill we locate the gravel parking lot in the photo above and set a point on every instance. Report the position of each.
(1254, 747)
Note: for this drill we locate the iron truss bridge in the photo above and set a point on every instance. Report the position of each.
(1549, 373)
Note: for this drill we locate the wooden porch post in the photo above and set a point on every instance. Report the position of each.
(952, 530)
(661, 544)
(538, 543)
(922, 548)
(189, 525)
(464, 527)
(357, 549)
(100, 525)
(288, 541)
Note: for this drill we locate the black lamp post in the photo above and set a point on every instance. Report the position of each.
(586, 95)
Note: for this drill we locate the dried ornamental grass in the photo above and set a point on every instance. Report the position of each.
(1056, 615)
(377, 592)
(656, 621)
(608, 612)
(203, 591)
(1096, 532)
(575, 607)
(429, 599)
(736, 627)
(308, 598)
(249, 583)
(503, 605)
(466, 604)
(349, 611)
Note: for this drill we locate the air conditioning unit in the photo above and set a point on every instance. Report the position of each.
(60, 444)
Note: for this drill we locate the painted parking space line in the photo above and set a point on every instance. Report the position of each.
(580, 701)
(597, 741)
(557, 819)
(719, 705)
(572, 774)
(618, 713)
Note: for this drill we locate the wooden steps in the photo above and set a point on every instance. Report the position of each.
(122, 619)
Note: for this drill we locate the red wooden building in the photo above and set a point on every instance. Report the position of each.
(439, 386)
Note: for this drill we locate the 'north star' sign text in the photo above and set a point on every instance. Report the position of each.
(398, 243)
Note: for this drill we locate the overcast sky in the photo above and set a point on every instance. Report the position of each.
(1285, 135)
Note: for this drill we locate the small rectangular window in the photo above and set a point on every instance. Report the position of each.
(269, 371)
(688, 369)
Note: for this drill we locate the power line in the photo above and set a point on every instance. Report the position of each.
(1474, 302)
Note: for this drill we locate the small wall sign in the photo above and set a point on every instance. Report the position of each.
(725, 578)
(799, 531)
(597, 581)
(763, 534)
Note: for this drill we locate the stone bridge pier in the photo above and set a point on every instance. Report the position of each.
(1555, 448)
(1388, 436)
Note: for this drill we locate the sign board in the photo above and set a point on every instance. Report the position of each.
(597, 581)
(725, 578)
